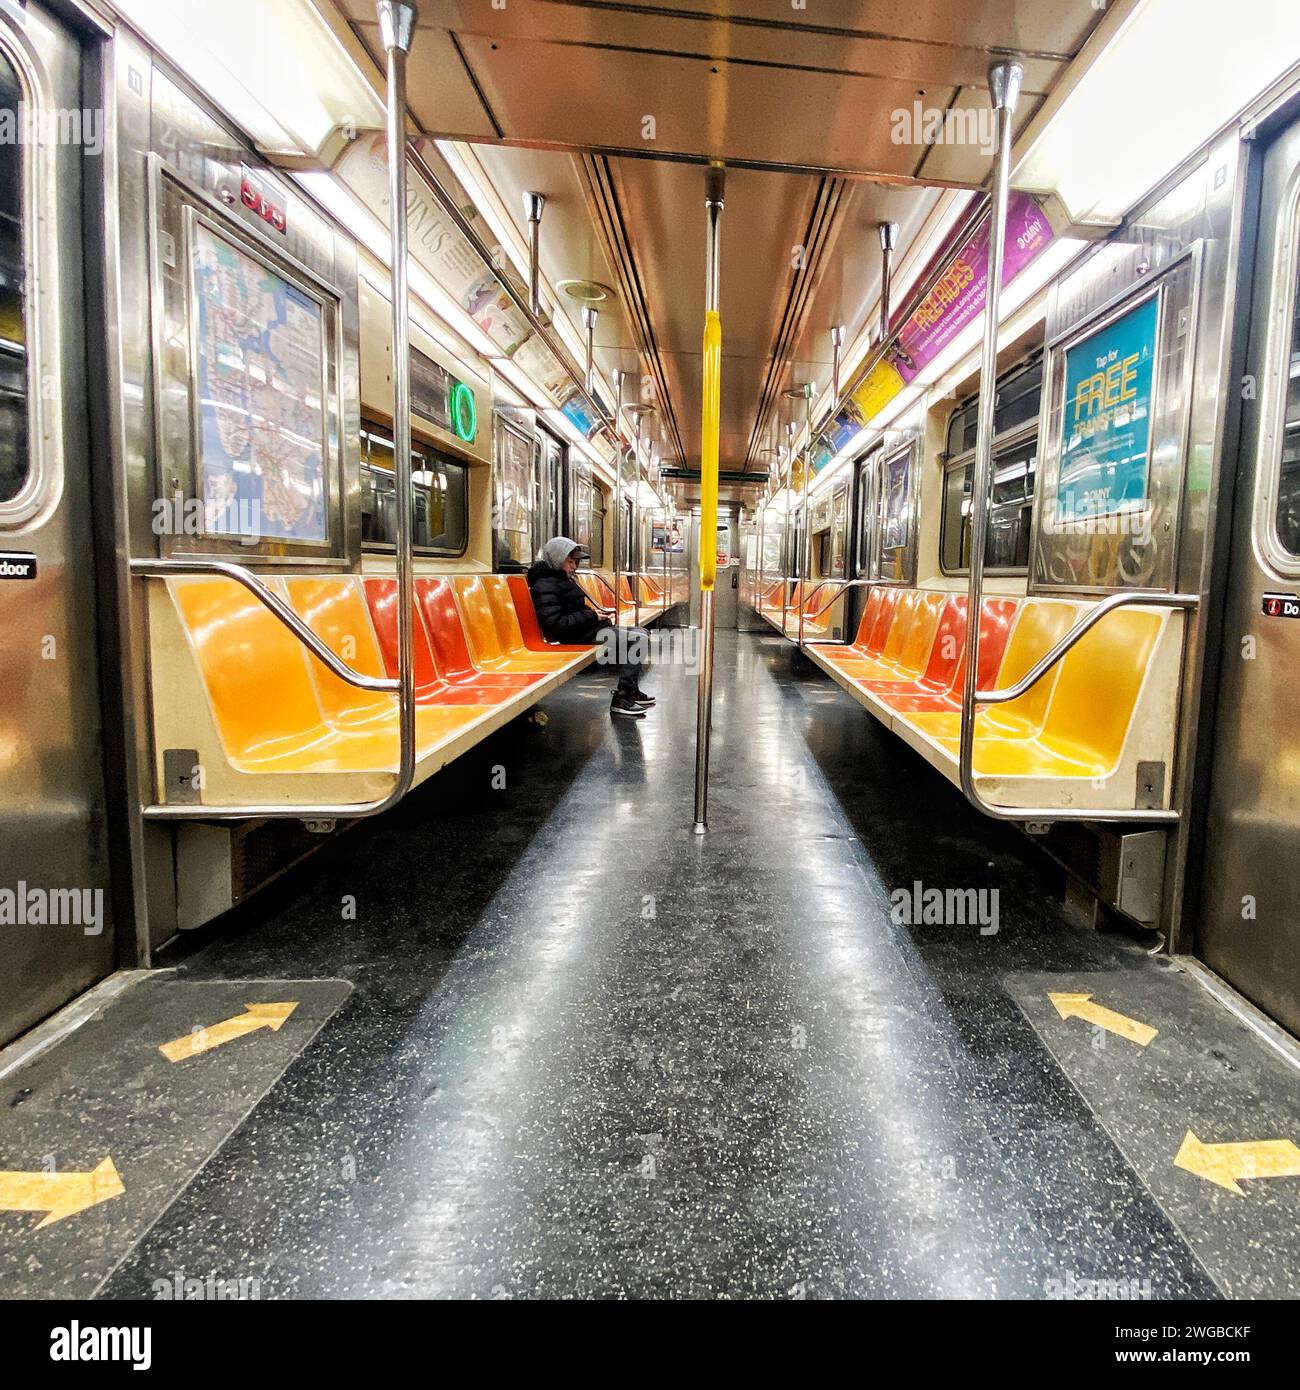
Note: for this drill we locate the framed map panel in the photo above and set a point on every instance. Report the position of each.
(259, 399)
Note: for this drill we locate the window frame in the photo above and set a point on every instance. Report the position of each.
(909, 446)
(1008, 439)
(43, 403)
(1284, 301)
(1013, 439)
(431, 452)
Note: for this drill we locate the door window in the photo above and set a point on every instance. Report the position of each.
(15, 464)
(1288, 486)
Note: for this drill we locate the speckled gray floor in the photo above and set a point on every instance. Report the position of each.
(589, 1054)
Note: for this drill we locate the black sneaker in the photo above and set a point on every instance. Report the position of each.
(639, 697)
(626, 708)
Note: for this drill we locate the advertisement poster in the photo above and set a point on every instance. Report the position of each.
(1106, 417)
(437, 244)
(261, 370)
(958, 296)
(668, 538)
(956, 299)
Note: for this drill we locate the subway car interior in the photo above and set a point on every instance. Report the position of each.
(649, 652)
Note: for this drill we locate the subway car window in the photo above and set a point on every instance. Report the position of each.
(862, 551)
(1007, 542)
(1288, 490)
(513, 507)
(1019, 393)
(1014, 470)
(894, 520)
(597, 546)
(14, 464)
(439, 496)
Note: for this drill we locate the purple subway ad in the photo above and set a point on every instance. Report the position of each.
(958, 297)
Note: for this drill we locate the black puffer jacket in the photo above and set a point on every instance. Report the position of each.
(564, 612)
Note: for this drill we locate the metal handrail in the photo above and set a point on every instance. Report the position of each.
(1004, 90)
(160, 569)
(845, 586)
(397, 24)
(1089, 621)
(841, 585)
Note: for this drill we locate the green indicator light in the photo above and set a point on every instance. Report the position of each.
(464, 416)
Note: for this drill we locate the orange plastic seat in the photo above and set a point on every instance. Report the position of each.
(336, 612)
(431, 687)
(873, 630)
(1090, 708)
(264, 701)
(451, 651)
(510, 637)
(940, 689)
(907, 648)
(484, 639)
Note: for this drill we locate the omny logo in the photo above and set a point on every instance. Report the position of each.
(638, 646)
(935, 125)
(945, 907)
(53, 907)
(78, 1343)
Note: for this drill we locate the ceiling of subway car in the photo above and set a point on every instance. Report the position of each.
(612, 109)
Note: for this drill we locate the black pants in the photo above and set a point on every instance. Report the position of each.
(624, 651)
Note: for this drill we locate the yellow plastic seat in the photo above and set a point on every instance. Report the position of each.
(335, 609)
(1040, 625)
(1091, 707)
(510, 637)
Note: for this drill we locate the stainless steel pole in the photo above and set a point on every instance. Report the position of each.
(638, 560)
(620, 378)
(589, 316)
(888, 240)
(785, 533)
(1004, 90)
(396, 28)
(806, 558)
(837, 347)
(534, 203)
(713, 205)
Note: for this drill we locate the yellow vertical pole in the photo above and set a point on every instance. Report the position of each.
(710, 424)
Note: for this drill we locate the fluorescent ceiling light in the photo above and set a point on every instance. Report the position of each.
(522, 383)
(275, 69)
(1176, 72)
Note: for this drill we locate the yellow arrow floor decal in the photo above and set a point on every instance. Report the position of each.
(59, 1194)
(1229, 1164)
(201, 1040)
(1081, 1006)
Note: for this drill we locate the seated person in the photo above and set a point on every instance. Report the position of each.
(565, 614)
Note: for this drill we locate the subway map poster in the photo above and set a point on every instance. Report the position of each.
(260, 368)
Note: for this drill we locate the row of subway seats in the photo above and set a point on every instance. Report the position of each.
(236, 694)
(1095, 732)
